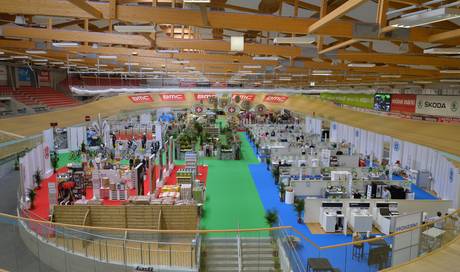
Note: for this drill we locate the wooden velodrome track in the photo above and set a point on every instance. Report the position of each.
(444, 137)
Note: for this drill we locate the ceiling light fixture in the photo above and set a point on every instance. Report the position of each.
(107, 57)
(443, 51)
(39, 60)
(425, 18)
(134, 28)
(273, 58)
(449, 80)
(390, 76)
(252, 66)
(294, 40)
(57, 62)
(449, 71)
(236, 43)
(20, 57)
(172, 51)
(361, 65)
(422, 82)
(35, 52)
(66, 44)
(180, 62)
(132, 64)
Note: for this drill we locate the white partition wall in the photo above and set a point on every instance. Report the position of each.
(75, 136)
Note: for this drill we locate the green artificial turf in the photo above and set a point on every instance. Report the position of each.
(232, 197)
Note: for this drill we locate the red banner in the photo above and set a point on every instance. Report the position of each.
(173, 97)
(248, 97)
(141, 98)
(203, 96)
(275, 98)
(403, 102)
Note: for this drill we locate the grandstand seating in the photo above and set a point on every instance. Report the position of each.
(44, 96)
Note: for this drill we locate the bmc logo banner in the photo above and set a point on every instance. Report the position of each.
(203, 96)
(248, 97)
(275, 98)
(172, 97)
(446, 106)
(403, 102)
(141, 98)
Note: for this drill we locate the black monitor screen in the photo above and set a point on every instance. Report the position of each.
(382, 102)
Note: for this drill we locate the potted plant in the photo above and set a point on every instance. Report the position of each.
(271, 217)
(31, 194)
(83, 147)
(38, 178)
(282, 189)
(299, 206)
(54, 161)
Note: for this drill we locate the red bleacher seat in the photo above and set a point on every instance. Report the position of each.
(48, 96)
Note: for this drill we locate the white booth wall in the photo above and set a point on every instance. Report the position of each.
(446, 180)
(36, 159)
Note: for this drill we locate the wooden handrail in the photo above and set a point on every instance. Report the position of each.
(229, 230)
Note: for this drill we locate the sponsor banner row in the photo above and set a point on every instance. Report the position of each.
(354, 100)
(447, 106)
(179, 97)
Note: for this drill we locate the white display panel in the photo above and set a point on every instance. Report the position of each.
(438, 105)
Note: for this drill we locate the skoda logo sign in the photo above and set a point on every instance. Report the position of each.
(454, 106)
(420, 104)
(396, 146)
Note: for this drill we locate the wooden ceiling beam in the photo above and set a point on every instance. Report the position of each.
(338, 46)
(84, 5)
(217, 19)
(444, 36)
(334, 15)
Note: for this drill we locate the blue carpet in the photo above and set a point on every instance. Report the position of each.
(419, 192)
(339, 257)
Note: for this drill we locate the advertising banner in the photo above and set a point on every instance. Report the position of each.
(173, 97)
(248, 97)
(403, 102)
(438, 105)
(141, 98)
(354, 100)
(406, 245)
(382, 102)
(278, 99)
(203, 96)
(24, 74)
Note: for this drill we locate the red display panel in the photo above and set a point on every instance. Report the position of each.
(173, 97)
(275, 98)
(403, 102)
(141, 98)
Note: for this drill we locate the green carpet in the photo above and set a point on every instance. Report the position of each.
(232, 197)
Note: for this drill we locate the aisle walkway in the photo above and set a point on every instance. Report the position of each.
(232, 197)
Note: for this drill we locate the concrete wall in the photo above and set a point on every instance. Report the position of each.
(312, 206)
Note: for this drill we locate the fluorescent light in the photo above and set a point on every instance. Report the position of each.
(3, 59)
(197, 1)
(252, 66)
(450, 80)
(76, 60)
(20, 57)
(134, 28)
(422, 82)
(353, 78)
(445, 51)
(285, 78)
(57, 62)
(36, 52)
(390, 76)
(294, 40)
(236, 43)
(65, 44)
(189, 68)
(267, 81)
(107, 57)
(299, 75)
(274, 58)
(312, 83)
(173, 51)
(39, 60)
(322, 71)
(449, 71)
(147, 68)
(425, 18)
(361, 65)
(132, 64)
(101, 65)
(180, 62)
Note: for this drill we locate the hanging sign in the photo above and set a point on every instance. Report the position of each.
(277, 99)
(248, 97)
(198, 109)
(232, 109)
(203, 96)
(438, 105)
(173, 97)
(141, 98)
